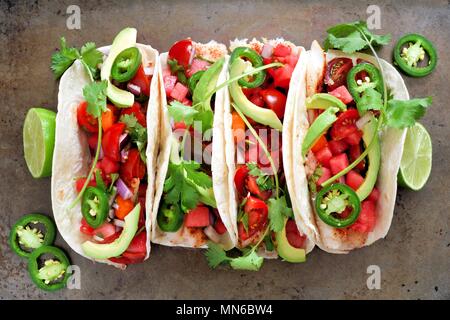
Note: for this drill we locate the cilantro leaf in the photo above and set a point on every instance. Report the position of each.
(349, 37)
(199, 178)
(404, 113)
(251, 262)
(177, 69)
(278, 211)
(91, 58)
(370, 99)
(215, 255)
(263, 179)
(179, 112)
(137, 132)
(95, 95)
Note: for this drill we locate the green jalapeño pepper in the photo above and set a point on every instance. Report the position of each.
(52, 274)
(170, 217)
(332, 202)
(409, 53)
(193, 80)
(25, 237)
(372, 79)
(256, 61)
(126, 65)
(94, 206)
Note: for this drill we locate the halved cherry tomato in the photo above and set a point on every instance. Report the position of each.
(240, 178)
(85, 120)
(80, 183)
(257, 211)
(275, 100)
(336, 74)
(253, 188)
(109, 166)
(323, 156)
(337, 146)
(181, 51)
(110, 141)
(354, 180)
(354, 152)
(367, 218)
(133, 167)
(124, 207)
(197, 217)
(293, 235)
(338, 163)
(257, 100)
(109, 117)
(142, 81)
(345, 124)
(319, 144)
(137, 111)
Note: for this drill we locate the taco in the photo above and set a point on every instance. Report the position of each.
(102, 191)
(332, 130)
(258, 114)
(190, 206)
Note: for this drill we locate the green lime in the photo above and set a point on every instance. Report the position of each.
(39, 141)
(415, 166)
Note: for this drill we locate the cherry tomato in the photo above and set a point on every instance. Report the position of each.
(138, 112)
(253, 188)
(181, 51)
(293, 235)
(133, 167)
(197, 217)
(257, 100)
(257, 211)
(110, 141)
(240, 178)
(109, 117)
(275, 100)
(336, 74)
(85, 120)
(345, 124)
(142, 81)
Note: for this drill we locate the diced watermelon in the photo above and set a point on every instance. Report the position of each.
(367, 218)
(197, 65)
(323, 156)
(179, 92)
(337, 146)
(169, 83)
(354, 180)
(354, 138)
(282, 76)
(282, 50)
(342, 94)
(326, 174)
(374, 195)
(338, 163)
(197, 217)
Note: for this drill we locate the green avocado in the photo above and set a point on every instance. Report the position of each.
(324, 101)
(374, 156)
(118, 246)
(285, 250)
(261, 115)
(124, 40)
(322, 123)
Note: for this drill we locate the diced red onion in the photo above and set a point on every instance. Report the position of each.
(267, 51)
(119, 223)
(115, 206)
(97, 238)
(361, 122)
(192, 56)
(123, 155)
(123, 140)
(123, 190)
(212, 234)
(111, 214)
(134, 89)
(149, 71)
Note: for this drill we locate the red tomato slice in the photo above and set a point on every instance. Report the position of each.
(323, 156)
(354, 180)
(142, 81)
(239, 180)
(133, 167)
(293, 236)
(337, 70)
(345, 124)
(138, 244)
(197, 217)
(367, 218)
(85, 120)
(337, 146)
(109, 166)
(253, 188)
(110, 141)
(257, 100)
(275, 100)
(138, 112)
(338, 163)
(181, 51)
(342, 94)
(257, 211)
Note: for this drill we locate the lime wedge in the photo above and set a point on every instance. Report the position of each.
(415, 166)
(39, 141)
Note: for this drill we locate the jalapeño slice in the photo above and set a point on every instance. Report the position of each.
(126, 65)
(256, 61)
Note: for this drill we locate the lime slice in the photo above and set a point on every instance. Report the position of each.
(39, 141)
(415, 166)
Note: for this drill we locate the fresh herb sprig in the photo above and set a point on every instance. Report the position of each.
(138, 133)
(89, 56)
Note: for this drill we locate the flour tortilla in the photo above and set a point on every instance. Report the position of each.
(71, 156)
(184, 237)
(296, 95)
(391, 152)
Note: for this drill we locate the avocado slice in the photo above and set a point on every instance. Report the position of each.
(323, 122)
(324, 101)
(285, 250)
(260, 115)
(118, 246)
(124, 40)
(374, 156)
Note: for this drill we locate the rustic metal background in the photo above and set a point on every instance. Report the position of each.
(414, 258)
